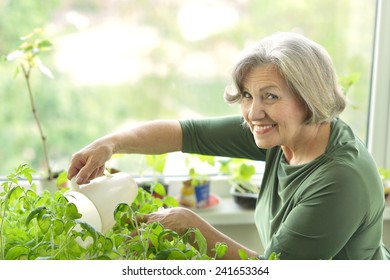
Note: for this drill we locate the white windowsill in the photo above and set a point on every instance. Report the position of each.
(228, 212)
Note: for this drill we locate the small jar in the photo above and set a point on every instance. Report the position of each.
(187, 195)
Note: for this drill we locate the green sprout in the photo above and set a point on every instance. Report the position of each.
(27, 58)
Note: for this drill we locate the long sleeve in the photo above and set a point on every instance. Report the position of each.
(223, 136)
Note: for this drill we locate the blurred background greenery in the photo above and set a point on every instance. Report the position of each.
(120, 62)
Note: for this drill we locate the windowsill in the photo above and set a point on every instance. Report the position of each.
(228, 212)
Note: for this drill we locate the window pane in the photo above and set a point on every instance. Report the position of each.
(119, 63)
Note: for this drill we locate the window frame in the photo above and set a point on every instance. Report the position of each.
(378, 138)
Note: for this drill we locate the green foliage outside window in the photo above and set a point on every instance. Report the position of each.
(124, 62)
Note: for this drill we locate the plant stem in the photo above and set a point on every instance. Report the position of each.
(34, 110)
(2, 235)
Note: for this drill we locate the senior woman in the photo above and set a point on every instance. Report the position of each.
(321, 196)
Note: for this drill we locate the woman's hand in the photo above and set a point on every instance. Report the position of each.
(178, 219)
(89, 162)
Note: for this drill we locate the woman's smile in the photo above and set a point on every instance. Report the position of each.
(263, 129)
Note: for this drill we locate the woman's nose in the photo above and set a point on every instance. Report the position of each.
(257, 110)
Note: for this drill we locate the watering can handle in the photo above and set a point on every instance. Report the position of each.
(73, 185)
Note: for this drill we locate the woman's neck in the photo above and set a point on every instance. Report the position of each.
(311, 145)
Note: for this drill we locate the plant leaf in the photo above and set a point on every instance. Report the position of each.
(159, 189)
(118, 240)
(13, 55)
(90, 229)
(62, 178)
(43, 45)
(220, 249)
(274, 256)
(157, 162)
(243, 255)
(71, 212)
(58, 226)
(46, 71)
(173, 254)
(170, 201)
(162, 255)
(44, 221)
(34, 213)
(16, 252)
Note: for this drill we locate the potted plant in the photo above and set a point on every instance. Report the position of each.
(195, 192)
(27, 56)
(156, 186)
(240, 172)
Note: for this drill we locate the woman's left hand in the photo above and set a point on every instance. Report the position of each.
(178, 219)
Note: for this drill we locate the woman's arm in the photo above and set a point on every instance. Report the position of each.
(220, 136)
(180, 219)
(154, 137)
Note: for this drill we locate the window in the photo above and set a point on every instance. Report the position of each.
(118, 63)
(379, 127)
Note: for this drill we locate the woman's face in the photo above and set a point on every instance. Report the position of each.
(271, 110)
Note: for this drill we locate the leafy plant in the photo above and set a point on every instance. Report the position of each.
(27, 57)
(346, 82)
(48, 227)
(193, 162)
(241, 172)
(385, 176)
(157, 163)
(156, 186)
(244, 256)
(43, 226)
(384, 173)
(152, 241)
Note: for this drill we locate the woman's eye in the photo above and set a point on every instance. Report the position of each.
(246, 94)
(271, 96)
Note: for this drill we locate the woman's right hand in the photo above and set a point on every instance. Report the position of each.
(89, 162)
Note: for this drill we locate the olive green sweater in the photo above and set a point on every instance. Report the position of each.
(330, 208)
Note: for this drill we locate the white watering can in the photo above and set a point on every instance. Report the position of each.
(97, 200)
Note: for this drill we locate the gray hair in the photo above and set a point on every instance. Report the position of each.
(305, 65)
